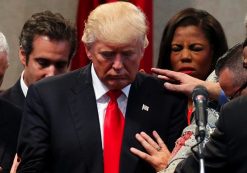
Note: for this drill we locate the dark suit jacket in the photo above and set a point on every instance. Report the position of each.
(10, 117)
(60, 130)
(226, 151)
(14, 95)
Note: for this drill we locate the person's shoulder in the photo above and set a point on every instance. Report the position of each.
(148, 80)
(156, 85)
(236, 103)
(16, 87)
(62, 80)
(9, 109)
(234, 111)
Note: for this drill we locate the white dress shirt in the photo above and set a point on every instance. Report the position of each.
(102, 99)
(24, 87)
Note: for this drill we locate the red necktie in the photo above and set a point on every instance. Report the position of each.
(113, 132)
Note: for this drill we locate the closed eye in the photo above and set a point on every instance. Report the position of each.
(43, 62)
(107, 54)
(196, 48)
(176, 48)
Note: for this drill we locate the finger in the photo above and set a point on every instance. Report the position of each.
(159, 140)
(140, 153)
(165, 78)
(148, 147)
(157, 70)
(168, 73)
(15, 164)
(150, 141)
(173, 87)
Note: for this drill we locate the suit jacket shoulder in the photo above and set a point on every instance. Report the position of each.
(10, 117)
(14, 95)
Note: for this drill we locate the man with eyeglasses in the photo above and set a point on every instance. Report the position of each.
(225, 151)
(232, 76)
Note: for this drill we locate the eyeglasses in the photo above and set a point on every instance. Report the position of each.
(238, 91)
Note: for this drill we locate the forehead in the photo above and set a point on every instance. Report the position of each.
(226, 81)
(44, 47)
(192, 33)
(104, 46)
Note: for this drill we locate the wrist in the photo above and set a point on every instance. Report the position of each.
(161, 171)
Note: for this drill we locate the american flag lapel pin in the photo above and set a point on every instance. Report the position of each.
(145, 107)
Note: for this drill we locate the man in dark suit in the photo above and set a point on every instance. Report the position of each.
(10, 117)
(226, 150)
(66, 117)
(47, 44)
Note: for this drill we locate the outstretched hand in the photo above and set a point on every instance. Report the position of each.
(184, 83)
(157, 153)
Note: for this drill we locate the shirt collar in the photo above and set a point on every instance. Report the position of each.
(100, 89)
(24, 87)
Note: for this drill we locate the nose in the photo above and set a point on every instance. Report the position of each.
(186, 55)
(118, 62)
(51, 71)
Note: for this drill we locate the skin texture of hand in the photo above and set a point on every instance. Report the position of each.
(181, 82)
(156, 154)
(15, 164)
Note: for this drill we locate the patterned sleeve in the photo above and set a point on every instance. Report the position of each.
(183, 145)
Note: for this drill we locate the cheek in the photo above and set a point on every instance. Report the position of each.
(102, 69)
(133, 65)
(203, 60)
(174, 61)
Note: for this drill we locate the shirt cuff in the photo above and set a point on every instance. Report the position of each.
(222, 98)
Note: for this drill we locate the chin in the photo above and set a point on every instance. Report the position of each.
(117, 85)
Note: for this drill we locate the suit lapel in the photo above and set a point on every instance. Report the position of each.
(17, 94)
(128, 160)
(85, 115)
(88, 129)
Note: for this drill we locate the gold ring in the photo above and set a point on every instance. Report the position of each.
(158, 148)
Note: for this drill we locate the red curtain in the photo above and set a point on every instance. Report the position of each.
(84, 8)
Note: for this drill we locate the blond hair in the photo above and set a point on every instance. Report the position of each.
(116, 23)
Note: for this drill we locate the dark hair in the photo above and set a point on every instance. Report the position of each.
(233, 60)
(48, 24)
(200, 18)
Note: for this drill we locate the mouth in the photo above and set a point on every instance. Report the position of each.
(188, 71)
(117, 78)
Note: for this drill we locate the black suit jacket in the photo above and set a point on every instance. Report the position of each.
(14, 95)
(10, 117)
(61, 133)
(226, 151)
